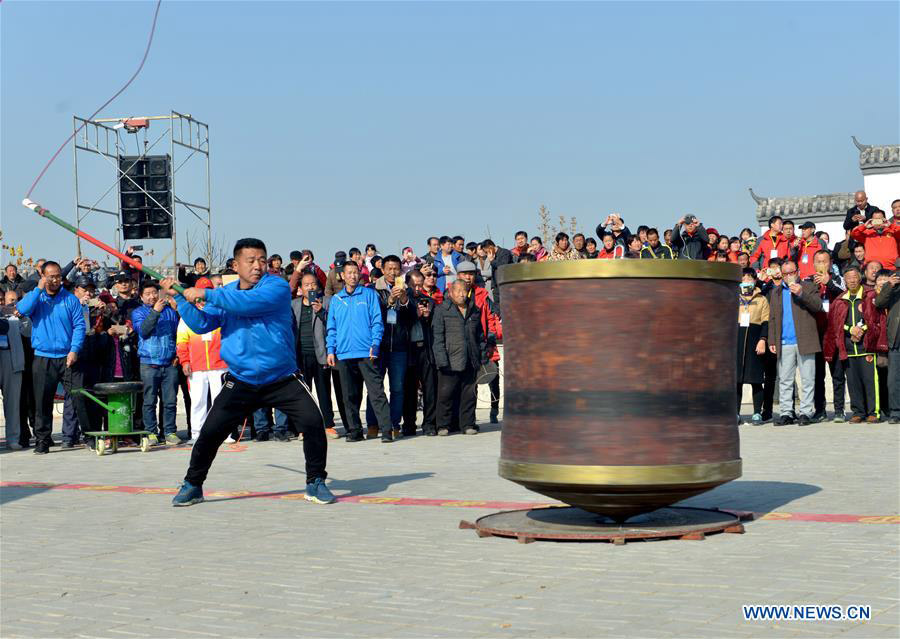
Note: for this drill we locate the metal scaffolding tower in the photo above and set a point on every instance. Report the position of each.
(187, 140)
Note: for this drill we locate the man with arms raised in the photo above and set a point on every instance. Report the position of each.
(254, 314)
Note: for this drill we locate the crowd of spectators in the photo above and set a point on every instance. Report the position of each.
(431, 325)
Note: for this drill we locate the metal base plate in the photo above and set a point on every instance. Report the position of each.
(574, 524)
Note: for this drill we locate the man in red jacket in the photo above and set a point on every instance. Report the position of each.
(807, 247)
(853, 328)
(771, 245)
(879, 238)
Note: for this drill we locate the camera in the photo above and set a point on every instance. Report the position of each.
(312, 296)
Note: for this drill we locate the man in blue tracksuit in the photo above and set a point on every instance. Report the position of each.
(57, 337)
(352, 339)
(445, 263)
(254, 314)
(156, 324)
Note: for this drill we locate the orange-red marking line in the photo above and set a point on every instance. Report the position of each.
(416, 501)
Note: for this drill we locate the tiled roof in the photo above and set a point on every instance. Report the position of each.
(877, 157)
(801, 209)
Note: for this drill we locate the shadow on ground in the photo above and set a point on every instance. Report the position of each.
(9, 494)
(757, 496)
(363, 485)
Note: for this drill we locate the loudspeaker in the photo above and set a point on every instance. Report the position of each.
(132, 200)
(160, 216)
(161, 231)
(145, 196)
(135, 231)
(134, 216)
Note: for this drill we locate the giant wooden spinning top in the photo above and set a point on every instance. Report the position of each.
(619, 381)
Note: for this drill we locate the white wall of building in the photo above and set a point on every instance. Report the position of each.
(882, 189)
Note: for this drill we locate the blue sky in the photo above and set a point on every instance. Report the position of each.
(337, 124)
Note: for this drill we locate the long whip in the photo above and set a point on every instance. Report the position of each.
(133, 263)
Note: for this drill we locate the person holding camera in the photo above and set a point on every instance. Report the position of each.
(879, 239)
(310, 311)
(614, 225)
(794, 339)
(156, 325)
(753, 331)
(91, 361)
(398, 313)
(830, 286)
(689, 238)
(421, 370)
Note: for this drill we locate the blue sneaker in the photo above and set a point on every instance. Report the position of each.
(188, 495)
(317, 492)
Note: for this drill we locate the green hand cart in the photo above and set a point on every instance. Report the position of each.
(120, 405)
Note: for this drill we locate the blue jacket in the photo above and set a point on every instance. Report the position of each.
(156, 334)
(58, 322)
(455, 258)
(257, 328)
(354, 324)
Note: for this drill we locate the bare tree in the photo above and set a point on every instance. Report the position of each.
(544, 226)
(218, 253)
(190, 245)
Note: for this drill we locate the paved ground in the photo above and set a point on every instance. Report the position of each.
(95, 561)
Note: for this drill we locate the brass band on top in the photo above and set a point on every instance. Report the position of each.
(587, 269)
(620, 475)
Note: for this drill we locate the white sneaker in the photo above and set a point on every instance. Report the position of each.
(230, 440)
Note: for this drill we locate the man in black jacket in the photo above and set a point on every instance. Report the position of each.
(397, 313)
(459, 351)
(860, 212)
(421, 362)
(889, 299)
(190, 279)
(656, 250)
(615, 225)
(310, 318)
(11, 280)
(689, 238)
(497, 256)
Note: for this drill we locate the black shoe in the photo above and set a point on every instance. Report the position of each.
(262, 437)
(766, 417)
(784, 420)
(803, 420)
(819, 417)
(281, 437)
(41, 450)
(894, 420)
(387, 438)
(67, 445)
(354, 437)
(494, 419)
